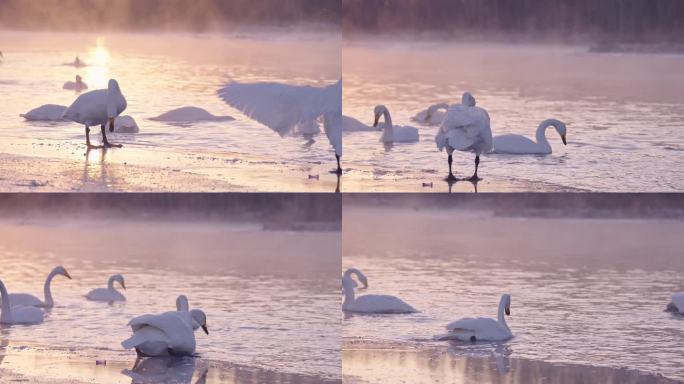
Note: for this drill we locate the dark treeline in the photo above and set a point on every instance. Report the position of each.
(184, 15)
(274, 209)
(624, 20)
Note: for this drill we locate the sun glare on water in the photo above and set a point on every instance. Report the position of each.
(98, 65)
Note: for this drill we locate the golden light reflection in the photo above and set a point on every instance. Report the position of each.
(98, 60)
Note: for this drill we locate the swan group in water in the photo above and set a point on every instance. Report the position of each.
(370, 304)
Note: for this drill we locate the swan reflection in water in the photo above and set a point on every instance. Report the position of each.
(165, 370)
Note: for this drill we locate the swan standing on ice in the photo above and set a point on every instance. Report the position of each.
(519, 144)
(394, 133)
(482, 328)
(372, 304)
(465, 128)
(108, 294)
(26, 299)
(18, 314)
(282, 107)
(98, 108)
(432, 115)
(47, 112)
(677, 303)
(77, 85)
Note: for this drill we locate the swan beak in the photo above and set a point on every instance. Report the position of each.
(564, 141)
(123, 285)
(205, 329)
(66, 274)
(375, 123)
(508, 311)
(111, 124)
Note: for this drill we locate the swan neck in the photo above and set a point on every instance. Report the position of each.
(349, 296)
(541, 135)
(501, 315)
(47, 291)
(110, 284)
(388, 119)
(6, 315)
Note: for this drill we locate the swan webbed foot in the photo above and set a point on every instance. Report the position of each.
(110, 145)
(451, 177)
(473, 179)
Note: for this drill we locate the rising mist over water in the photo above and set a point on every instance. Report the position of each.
(171, 15)
(616, 20)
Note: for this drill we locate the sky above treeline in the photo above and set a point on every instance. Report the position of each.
(624, 19)
(181, 15)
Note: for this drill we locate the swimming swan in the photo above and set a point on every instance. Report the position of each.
(98, 107)
(18, 314)
(432, 115)
(167, 334)
(482, 328)
(282, 107)
(26, 299)
(465, 128)
(677, 303)
(394, 133)
(189, 115)
(372, 303)
(519, 144)
(47, 112)
(110, 293)
(77, 85)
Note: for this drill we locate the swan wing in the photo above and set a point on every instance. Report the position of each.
(281, 106)
(465, 129)
(25, 299)
(175, 325)
(381, 304)
(89, 108)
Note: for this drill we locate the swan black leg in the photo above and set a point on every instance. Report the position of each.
(451, 176)
(106, 143)
(339, 168)
(90, 146)
(477, 164)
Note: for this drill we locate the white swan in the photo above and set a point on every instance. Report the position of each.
(189, 115)
(465, 128)
(47, 112)
(110, 293)
(77, 85)
(372, 303)
(282, 107)
(432, 115)
(677, 303)
(18, 314)
(98, 107)
(482, 328)
(519, 144)
(32, 301)
(350, 124)
(394, 133)
(166, 334)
